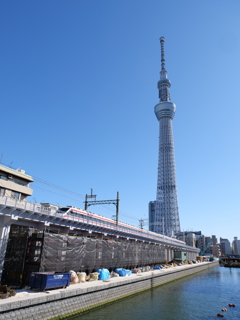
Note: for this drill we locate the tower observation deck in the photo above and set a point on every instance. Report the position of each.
(163, 213)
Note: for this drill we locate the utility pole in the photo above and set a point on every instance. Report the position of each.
(117, 207)
(142, 223)
(96, 202)
(91, 196)
(163, 225)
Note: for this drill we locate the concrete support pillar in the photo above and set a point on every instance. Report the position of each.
(172, 254)
(169, 254)
(5, 225)
(165, 253)
(191, 255)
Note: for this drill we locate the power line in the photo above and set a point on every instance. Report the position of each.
(56, 193)
(57, 187)
(47, 183)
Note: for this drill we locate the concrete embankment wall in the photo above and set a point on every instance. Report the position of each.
(63, 303)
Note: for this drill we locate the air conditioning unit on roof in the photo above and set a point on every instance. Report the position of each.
(20, 170)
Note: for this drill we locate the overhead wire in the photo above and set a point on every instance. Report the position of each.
(100, 207)
(78, 194)
(56, 193)
(57, 187)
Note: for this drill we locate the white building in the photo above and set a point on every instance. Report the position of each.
(188, 237)
(14, 183)
(236, 246)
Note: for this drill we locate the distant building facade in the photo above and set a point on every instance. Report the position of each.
(214, 242)
(236, 246)
(225, 246)
(200, 243)
(189, 237)
(216, 250)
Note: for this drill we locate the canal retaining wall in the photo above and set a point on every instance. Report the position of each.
(77, 298)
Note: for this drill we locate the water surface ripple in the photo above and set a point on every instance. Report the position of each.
(199, 296)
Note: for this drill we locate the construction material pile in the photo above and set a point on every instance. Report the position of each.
(6, 292)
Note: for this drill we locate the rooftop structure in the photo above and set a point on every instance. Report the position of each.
(14, 183)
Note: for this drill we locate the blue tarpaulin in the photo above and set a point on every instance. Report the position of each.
(158, 268)
(103, 274)
(123, 272)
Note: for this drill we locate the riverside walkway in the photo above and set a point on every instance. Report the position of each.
(77, 298)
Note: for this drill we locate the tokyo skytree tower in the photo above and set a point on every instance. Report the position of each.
(163, 213)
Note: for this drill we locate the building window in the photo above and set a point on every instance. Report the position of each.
(2, 192)
(15, 195)
(23, 197)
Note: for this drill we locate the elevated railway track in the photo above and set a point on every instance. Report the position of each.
(74, 221)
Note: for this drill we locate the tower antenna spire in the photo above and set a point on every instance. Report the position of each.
(163, 73)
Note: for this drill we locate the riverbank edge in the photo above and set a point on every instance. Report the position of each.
(79, 298)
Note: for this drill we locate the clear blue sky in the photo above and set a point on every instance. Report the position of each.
(78, 86)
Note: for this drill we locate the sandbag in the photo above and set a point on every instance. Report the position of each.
(73, 277)
(81, 276)
(94, 276)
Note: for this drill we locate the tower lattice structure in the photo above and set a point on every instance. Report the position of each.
(163, 213)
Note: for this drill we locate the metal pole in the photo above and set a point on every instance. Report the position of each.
(86, 203)
(163, 224)
(117, 208)
(141, 223)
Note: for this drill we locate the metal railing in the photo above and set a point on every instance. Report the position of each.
(51, 212)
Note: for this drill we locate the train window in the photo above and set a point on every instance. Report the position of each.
(64, 209)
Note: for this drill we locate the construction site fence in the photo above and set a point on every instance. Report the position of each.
(62, 253)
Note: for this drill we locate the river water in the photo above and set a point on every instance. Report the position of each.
(199, 296)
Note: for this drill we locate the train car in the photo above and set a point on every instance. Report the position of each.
(84, 216)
